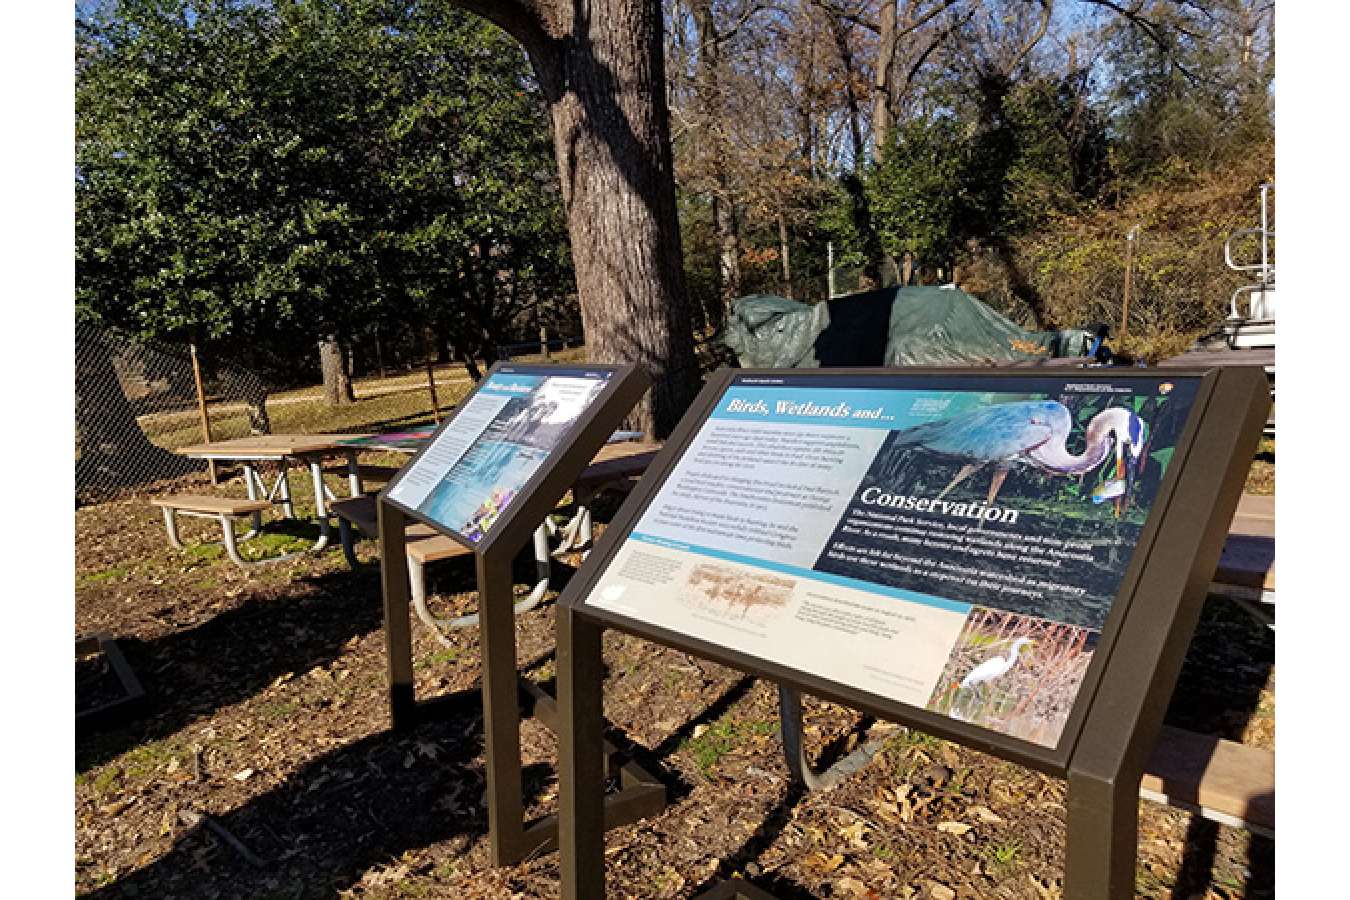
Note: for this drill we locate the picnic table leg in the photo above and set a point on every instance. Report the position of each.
(417, 578)
(251, 481)
(354, 486)
(171, 526)
(320, 503)
(284, 488)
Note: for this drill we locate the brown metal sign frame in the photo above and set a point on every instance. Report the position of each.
(1120, 706)
(511, 838)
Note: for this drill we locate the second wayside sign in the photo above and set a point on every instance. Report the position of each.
(952, 544)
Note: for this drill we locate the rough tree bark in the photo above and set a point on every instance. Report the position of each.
(600, 65)
(337, 384)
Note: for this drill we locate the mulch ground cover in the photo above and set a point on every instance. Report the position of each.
(264, 768)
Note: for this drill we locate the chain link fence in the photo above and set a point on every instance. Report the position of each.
(137, 403)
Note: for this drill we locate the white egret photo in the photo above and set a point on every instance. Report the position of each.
(1015, 674)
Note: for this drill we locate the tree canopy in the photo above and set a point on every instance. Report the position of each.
(255, 175)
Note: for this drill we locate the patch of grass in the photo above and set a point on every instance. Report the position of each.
(721, 738)
(273, 710)
(205, 552)
(957, 783)
(439, 658)
(105, 780)
(1002, 857)
(273, 543)
(108, 574)
(144, 760)
(411, 888)
(904, 746)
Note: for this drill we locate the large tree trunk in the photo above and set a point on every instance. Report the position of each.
(601, 69)
(337, 383)
(729, 256)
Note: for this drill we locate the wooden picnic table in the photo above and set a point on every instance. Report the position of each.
(307, 449)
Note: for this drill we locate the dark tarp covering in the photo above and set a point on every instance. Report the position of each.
(912, 326)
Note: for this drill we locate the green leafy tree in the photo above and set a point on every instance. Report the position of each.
(916, 191)
(261, 176)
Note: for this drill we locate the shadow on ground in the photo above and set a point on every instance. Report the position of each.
(361, 805)
(237, 653)
(1219, 692)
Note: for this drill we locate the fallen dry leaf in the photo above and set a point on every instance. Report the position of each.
(956, 828)
(854, 833)
(938, 891)
(986, 815)
(242, 775)
(851, 887)
(825, 863)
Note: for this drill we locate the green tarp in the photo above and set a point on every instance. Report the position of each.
(912, 326)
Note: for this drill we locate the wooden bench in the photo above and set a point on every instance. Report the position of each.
(1223, 781)
(1246, 570)
(222, 509)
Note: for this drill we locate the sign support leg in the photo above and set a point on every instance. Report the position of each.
(501, 709)
(397, 624)
(581, 779)
(1103, 834)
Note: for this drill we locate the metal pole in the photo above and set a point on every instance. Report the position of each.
(501, 710)
(581, 758)
(201, 409)
(543, 342)
(1265, 234)
(397, 620)
(1129, 281)
(1103, 835)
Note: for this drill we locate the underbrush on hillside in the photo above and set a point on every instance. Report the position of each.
(1074, 268)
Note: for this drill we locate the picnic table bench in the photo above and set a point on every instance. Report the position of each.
(1246, 571)
(309, 450)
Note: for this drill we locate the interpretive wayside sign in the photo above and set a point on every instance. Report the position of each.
(954, 543)
(496, 442)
